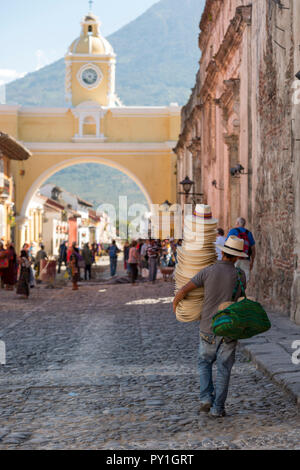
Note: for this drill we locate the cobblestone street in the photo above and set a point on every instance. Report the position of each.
(109, 367)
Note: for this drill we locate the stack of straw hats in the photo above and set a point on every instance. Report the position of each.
(197, 252)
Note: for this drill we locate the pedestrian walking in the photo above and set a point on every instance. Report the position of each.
(220, 241)
(144, 254)
(153, 255)
(29, 250)
(133, 261)
(113, 257)
(88, 257)
(3, 262)
(9, 274)
(24, 275)
(74, 266)
(246, 264)
(219, 281)
(41, 254)
(126, 249)
(62, 255)
(81, 263)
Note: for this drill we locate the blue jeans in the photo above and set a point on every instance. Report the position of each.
(222, 350)
(113, 266)
(152, 269)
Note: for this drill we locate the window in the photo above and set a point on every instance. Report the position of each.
(89, 126)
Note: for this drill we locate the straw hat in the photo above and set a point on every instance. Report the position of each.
(234, 246)
(202, 212)
(197, 252)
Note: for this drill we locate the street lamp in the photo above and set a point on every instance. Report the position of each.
(165, 206)
(238, 170)
(187, 186)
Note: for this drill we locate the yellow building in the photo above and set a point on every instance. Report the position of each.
(10, 150)
(95, 128)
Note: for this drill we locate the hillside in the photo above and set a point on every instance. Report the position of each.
(98, 190)
(157, 58)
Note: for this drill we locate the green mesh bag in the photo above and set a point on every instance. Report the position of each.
(242, 319)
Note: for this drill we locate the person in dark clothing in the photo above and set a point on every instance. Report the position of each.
(87, 255)
(126, 255)
(9, 274)
(74, 266)
(113, 257)
(62, 257)
(23, 287)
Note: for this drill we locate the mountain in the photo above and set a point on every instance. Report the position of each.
(98, 191)
(157, 59)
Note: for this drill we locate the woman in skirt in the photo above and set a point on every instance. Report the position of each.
(24, 275)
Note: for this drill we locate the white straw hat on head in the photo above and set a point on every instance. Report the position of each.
(234, 246)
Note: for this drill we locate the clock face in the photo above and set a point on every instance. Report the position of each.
(89, 76)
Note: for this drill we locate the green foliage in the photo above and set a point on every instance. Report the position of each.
(157, 59)
(98, 184)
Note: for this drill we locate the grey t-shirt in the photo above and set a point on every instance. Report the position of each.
(219, 281)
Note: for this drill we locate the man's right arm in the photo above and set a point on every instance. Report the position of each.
(196, 282)
(183, 293)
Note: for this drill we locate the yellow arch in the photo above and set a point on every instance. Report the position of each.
(77, 161)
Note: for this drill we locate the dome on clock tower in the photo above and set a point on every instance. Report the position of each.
(91, 41)
(90, 66)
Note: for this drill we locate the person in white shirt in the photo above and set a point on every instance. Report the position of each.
(220, 241)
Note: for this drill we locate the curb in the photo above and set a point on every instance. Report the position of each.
(272, 354)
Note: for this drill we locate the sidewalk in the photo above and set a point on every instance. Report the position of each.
(272, 353)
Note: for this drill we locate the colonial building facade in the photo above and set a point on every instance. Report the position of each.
(94, 127)
(240, 135)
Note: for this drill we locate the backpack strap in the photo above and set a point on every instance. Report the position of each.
(238, 284)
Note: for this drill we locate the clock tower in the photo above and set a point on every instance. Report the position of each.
(90, 67)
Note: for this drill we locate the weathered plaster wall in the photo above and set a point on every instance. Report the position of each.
(274, 198)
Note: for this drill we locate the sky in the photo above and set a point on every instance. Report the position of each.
(35, 33)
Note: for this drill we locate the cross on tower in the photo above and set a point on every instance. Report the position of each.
(91, 4)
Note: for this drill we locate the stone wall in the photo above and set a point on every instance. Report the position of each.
(243, 110)
(274, 206)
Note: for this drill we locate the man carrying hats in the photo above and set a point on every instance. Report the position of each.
(219, 281)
